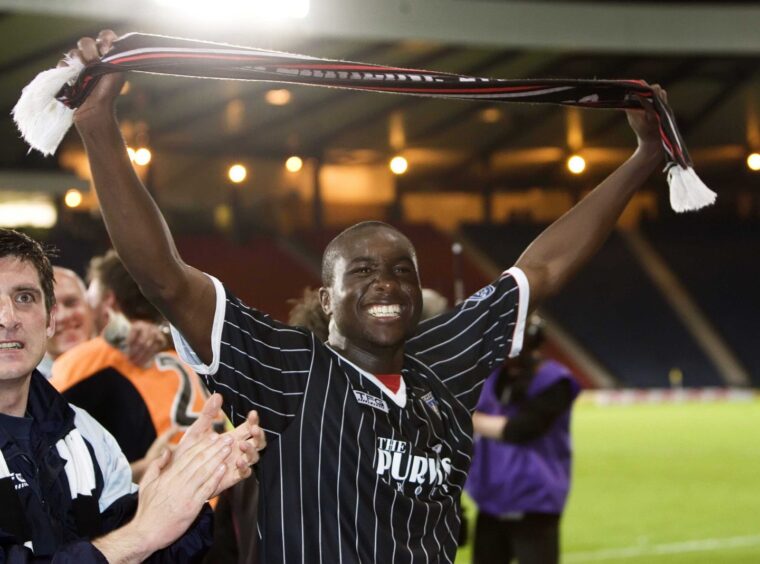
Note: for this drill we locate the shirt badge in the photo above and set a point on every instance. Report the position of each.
(431, 402)
(482, 294)
(366, 399)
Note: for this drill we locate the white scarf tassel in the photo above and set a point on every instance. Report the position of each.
(41, 119)
(687, 191)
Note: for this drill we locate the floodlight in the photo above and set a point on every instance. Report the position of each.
(576, 164)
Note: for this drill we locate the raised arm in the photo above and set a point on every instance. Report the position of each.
(184, 295)
(568, 243)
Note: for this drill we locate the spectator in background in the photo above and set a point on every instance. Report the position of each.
(520, 473)
(433, 304)
(142, 405)
(306, 311)
(75, 325)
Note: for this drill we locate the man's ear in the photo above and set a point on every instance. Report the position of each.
(325, 299)
(50, 329)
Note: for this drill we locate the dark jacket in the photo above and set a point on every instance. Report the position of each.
(38, 508)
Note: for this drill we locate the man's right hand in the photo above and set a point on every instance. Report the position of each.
(172, 493)
(144, 341)
(101, 100)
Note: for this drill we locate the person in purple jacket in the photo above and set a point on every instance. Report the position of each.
(520, 474)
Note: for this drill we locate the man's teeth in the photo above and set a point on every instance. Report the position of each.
(11, 345)
(385, 310)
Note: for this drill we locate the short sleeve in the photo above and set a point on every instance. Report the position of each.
(257, 363)
(463, 345)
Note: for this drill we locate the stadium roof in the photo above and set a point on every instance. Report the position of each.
(706, 54)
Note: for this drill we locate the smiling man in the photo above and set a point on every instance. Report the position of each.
(137, 403)
(371, 431)
(76, 324)
(74, 319)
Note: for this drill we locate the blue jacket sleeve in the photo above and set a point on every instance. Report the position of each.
(189, 548)
(81, 552)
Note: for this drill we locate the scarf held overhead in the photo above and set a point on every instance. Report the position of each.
(44, 112)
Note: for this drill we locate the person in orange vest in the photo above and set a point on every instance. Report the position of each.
(75, 325)
(142, 405)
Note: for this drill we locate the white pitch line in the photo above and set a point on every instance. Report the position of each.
(702, 545)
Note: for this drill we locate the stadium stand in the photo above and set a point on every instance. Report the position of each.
(718, 263)
(283, 278)
(611, 308)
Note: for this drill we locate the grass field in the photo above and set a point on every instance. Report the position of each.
(658, 484)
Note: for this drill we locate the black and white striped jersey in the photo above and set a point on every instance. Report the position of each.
(353, 472)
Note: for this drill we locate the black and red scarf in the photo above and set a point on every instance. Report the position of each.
(185, 57)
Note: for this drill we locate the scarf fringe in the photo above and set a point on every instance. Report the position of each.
(687, 191)
(42, 120)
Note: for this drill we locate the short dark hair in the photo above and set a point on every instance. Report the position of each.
(16, 244)
(112, 274)
(331, 251)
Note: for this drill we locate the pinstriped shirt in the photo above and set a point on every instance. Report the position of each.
(354, 472)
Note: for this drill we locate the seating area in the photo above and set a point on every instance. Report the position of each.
(612, 308)
(717, 261)
(260, 272)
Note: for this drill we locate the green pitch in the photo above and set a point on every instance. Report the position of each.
(660, 484)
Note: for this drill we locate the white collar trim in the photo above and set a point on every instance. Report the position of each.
(399, 398)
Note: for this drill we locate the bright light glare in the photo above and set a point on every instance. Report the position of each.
(399, 165)
(223, 216)
(142, 156)
(237, 173)
(131, 153)
(294, 164)
(233, 10)
(576, 164)
(278, 97)
(72, 198)
(753, 161)
(490, 115)
(28, 213)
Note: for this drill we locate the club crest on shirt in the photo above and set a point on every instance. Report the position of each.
(366, 399)
(431, 402)
(482, 294)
